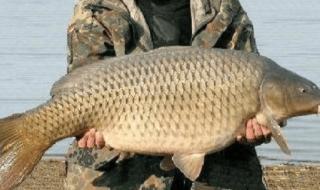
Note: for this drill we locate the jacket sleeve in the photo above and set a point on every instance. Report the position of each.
(96, 32)
(231, 28)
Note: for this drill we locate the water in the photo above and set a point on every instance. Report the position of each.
(33, 56)
(288, 32)
(32, 53)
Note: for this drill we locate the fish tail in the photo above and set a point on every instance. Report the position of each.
(17, 155)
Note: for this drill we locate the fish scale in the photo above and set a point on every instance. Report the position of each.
(183, 102)
(179, 107)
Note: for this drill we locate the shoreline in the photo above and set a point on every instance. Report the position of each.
(281, 176)
(264, 161)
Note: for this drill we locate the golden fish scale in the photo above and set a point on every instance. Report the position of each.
(166, 101)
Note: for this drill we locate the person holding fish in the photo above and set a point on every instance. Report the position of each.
(159, 118)
(103, 29)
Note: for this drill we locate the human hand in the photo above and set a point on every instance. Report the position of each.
(91, 139)
(256, 134)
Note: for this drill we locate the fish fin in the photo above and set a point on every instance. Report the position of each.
(189, 164)
(202, 186)
(124, 156)
(279, 138)
(167, 163)
(17, 156)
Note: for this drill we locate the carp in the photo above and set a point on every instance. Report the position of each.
(179, 102)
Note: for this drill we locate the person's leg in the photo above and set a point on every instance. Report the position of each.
(80, 177)
(83, 166)
(97, 169)
(237, 167)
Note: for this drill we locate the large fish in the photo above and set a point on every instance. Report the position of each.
(182, 102)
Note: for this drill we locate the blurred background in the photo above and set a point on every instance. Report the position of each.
(33, 56)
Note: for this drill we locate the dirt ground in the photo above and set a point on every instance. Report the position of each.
(48, 175)
(281, 177)
(295, 177)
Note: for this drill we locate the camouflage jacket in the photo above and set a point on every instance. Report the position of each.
(102, 28)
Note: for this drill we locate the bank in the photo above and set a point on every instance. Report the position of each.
(50, 174)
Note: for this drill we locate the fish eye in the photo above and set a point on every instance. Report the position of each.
(302, 90)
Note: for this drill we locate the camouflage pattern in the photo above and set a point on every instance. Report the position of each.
(231, 28)
(97, 32)
(104, 28)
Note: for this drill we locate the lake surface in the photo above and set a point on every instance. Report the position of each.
(33, 56)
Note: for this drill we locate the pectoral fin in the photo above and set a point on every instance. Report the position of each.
(124, 156)
(279, 138)
(189, 164)
(167, 164)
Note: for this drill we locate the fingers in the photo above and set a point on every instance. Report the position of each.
(91, 139)
(250, 132)
(255, 133)
(249, 136)
(257, 129)
(82, 143)
(259, 138)
(99, 140)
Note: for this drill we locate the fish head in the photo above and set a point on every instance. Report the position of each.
(287, 94)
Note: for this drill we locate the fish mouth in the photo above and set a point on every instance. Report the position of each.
(315, 110)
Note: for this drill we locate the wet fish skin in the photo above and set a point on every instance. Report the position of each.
(157, 99)
(157, 102)
(180, 101)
